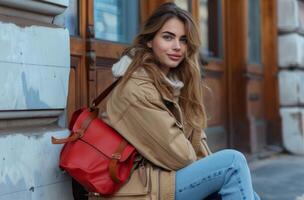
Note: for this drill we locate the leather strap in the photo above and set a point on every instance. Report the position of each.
(115, 158)
(104, 94)
(73, 136)
(79, 133)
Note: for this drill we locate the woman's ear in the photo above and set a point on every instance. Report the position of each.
(149, 44)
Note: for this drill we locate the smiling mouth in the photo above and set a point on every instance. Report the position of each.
(174, 57)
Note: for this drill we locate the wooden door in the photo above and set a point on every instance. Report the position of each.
(242, 108)
(211, 18)
(251, 61)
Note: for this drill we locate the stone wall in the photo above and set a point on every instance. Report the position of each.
(291, 74)
(35, 66)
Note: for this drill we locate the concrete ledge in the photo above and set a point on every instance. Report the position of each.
(291, 50)
(46, 7)
(293, 129)
(35, 10)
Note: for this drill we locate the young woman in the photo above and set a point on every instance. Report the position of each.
(158, 108)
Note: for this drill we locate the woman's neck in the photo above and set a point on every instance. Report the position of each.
(165, 70)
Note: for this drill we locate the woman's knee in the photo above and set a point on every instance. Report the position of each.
(237, 155)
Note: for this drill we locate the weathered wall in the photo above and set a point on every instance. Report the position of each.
(291, 75)
(35, 65)
(29, 166)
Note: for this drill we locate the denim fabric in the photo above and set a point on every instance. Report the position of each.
(225, 172)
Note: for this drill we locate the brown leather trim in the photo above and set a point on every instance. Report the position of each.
(85, 124)
(79, 133)
(105, 93)
(115, 158)
(73, 136)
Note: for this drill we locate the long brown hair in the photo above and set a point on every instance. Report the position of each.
(188, 71)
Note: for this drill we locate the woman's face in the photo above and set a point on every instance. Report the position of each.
(170, 44)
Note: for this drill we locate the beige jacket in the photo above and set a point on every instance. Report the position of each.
(154, 124)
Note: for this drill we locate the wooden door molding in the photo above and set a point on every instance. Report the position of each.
(77, 96)
(269, 59)
(74, 93)
(215, 93)
(236, 35)
(255, 97)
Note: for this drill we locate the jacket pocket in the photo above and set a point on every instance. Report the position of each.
(135, 185)
(134, 189)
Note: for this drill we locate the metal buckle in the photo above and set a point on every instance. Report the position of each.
(94, 194)
(116, 156)
(79, 133)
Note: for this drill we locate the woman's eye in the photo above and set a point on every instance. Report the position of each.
(168, 37)
(183, 40)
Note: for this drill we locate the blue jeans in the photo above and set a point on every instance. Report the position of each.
(225, 172)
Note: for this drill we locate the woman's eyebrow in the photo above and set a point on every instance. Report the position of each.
(170, 33)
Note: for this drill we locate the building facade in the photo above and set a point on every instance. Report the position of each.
(56, 57)
(291, 74)
(35, 66)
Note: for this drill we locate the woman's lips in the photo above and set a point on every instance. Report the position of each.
(174, 57)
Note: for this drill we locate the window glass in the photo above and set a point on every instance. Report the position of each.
(211, 28)
(254, 32)
(116, 20)
(69, 18)
(184, 4)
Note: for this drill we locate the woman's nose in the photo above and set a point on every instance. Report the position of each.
(177, 45)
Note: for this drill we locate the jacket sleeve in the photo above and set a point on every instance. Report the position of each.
(153, 131)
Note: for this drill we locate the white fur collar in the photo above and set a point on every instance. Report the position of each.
(120, 68)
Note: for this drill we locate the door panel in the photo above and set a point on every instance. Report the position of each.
(255, 78)
(215, 99)
(103, 77)
(256, 115)
(211, 17)
(214, 96)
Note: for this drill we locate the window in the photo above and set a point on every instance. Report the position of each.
(184, 4)
(71, 17)
(254, 32)
(116, 20)
(211, 28)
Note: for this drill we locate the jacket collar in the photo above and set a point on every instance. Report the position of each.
(122, 65)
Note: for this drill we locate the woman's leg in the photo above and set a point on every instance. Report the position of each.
(225, 172)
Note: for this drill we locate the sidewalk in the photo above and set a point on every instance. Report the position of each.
(280, 177)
